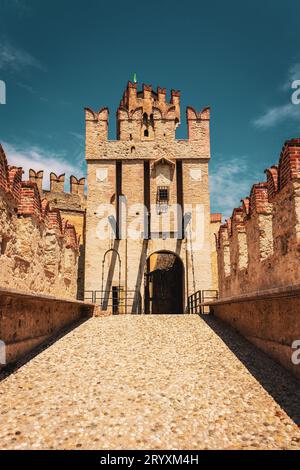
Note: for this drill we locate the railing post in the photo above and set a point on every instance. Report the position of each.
(202, 300)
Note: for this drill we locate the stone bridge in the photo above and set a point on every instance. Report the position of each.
(149, 382)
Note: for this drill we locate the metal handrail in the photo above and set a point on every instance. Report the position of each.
(196, 301)
(105, 299)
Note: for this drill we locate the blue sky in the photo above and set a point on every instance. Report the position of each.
(56, 57)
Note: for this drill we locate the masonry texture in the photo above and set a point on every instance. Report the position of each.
(38, 249)
(258, 261)
(72, 207)
(146, 159)
(28, 320)
(259, 246)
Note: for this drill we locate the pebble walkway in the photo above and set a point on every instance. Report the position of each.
(150, 382)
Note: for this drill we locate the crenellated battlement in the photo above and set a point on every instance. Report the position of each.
(57, 183)
(37, 249)
(259, 245)
(30, 200)
(272, 181)
(198, 123)
(55, 221)
(147, 99)
(146, 116)
(77, 186)
(289, 163)
(26, 194)
(37, 178)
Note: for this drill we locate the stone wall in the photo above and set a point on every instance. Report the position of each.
(38, 249)
(259, 246)
(72, 206)
(28, 320)
(258, 261)
(269, 319)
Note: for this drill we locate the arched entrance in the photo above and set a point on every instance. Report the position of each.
(164, 284)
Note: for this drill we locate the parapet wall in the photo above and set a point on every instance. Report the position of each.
(259, 246)
(38, 249)
(269, 319)
(28, 320)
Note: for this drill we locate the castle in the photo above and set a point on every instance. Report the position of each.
(145, 178)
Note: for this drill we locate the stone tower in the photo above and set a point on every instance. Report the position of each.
(148, 232)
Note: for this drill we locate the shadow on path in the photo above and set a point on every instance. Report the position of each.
(277, 381)
(13, 367)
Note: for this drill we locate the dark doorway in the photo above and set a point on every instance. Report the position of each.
(164, 284)
(115, 300)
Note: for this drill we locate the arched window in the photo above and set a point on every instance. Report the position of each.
(146, 133)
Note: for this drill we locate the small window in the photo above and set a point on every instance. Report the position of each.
(162, 199)
(146, 133)
(163, 195)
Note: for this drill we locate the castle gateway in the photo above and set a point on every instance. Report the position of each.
(149, 232)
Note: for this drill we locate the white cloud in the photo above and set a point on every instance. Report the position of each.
(38, 159)
(230, 181)
(15, 59)
(276, 115)
(293, 74)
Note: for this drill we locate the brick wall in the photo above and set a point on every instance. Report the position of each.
(38, 250)
(258, 247)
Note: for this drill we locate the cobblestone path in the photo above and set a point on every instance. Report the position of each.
(150, 382)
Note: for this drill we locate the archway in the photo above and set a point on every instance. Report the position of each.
(164, 284)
